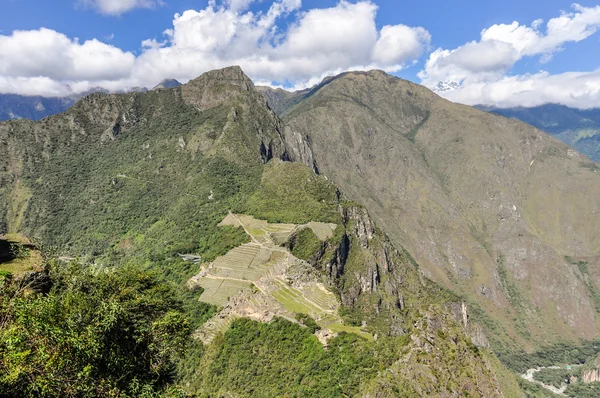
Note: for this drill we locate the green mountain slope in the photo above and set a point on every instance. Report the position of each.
(139, 179)
(494, 209)
(152, 172)
(575, 127)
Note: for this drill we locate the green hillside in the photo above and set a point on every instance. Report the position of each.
(144, 189)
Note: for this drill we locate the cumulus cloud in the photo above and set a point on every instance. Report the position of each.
(575, 89)
(502, 45)
(118, 7)
(317, 42)
(44, 62)
(314, 43)
(482, 66)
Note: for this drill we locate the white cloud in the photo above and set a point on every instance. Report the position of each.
(482, 66)
(575, 89)
(118, 7)
(399, 43)
(318, 42)
(44, 62)
(314, 43)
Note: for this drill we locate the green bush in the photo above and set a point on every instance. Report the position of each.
(307, 321)
(581, 390)
(305, 245)
(292, 193)
(553, 377)
(556, 354)
(96, 333)
(19, 250)
(282, 358)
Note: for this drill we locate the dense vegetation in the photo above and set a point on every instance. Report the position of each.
(555, 377)
(555, 354)
(76, 331)
(284, 359)
(292, 193)
(580, 390)
(305, 244)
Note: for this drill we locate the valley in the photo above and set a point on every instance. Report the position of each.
(370, 232)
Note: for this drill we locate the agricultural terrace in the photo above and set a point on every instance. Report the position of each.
(250, 280)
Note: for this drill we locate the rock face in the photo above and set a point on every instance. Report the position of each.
(487, 206)
(591, 376)
(590, 371)
(474, 331)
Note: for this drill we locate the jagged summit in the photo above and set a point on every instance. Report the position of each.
(167, 83)
(215, 86)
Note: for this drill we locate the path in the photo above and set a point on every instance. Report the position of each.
(529, 376)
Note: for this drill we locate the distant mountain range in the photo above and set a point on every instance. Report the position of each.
(575, 127)
(13, 106)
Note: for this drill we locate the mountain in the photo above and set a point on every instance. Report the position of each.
(167, 83)
(495, 210)
(14, 106)
(579, 128)
(298, 284)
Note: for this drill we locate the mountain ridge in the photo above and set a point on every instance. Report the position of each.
(373, 134)
(141, 178)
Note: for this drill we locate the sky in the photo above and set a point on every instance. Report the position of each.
(502, 53)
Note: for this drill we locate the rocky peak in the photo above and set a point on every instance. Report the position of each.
(167, 83)
(232, 75)
(216, 87)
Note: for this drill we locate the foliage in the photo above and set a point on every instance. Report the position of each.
(152, 192)
(581, 390)
(20, 250)
(284, 359)
(553, 377)
(305, 245)
(307, 321)
(292, 193)
(558, 353)
(582, 265)
(96, 333)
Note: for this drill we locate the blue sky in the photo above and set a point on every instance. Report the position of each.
(424, 41)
